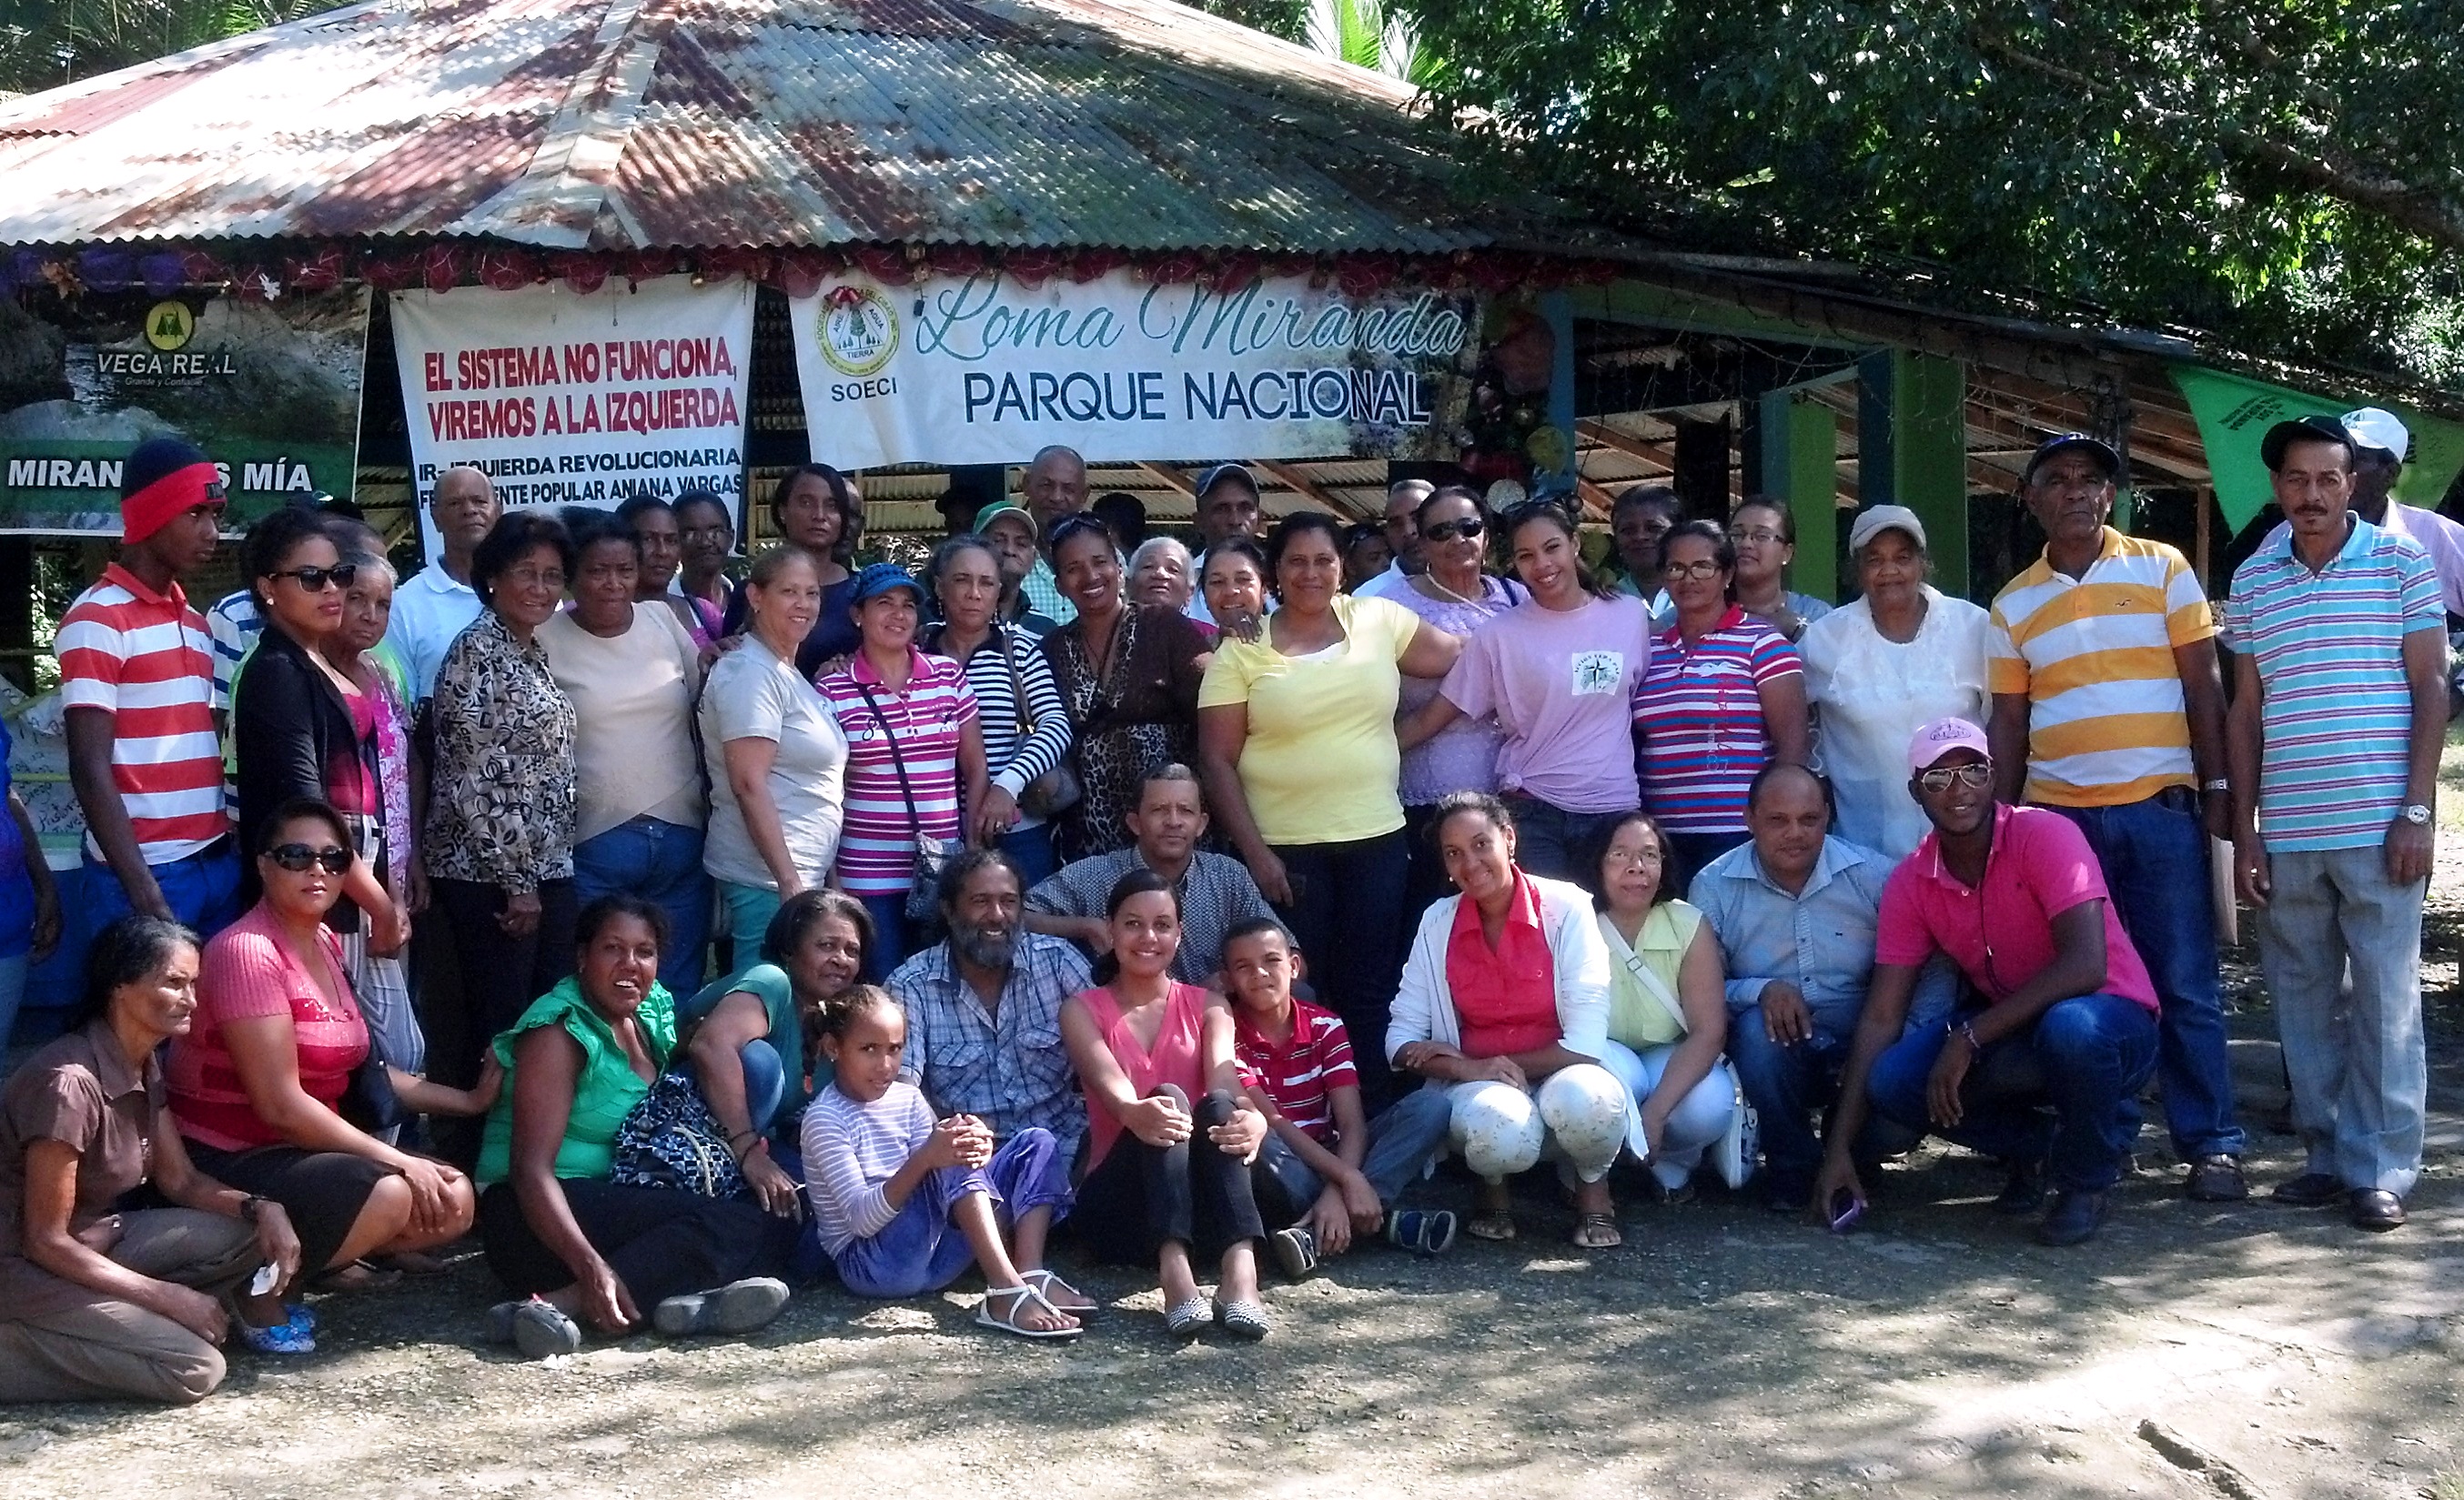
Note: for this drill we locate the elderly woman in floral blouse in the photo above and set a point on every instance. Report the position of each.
(498, 848)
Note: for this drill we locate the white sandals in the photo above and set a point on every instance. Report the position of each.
(1013, 1300)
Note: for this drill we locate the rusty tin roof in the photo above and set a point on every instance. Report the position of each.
(618, 124)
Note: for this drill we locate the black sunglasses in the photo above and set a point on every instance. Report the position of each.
(1074, 523)
(312, 580)
(1448, 530)
(298, 857)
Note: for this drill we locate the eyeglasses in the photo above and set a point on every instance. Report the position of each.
(1759, 533)
(1699, 568)
(1448, 530)
(298, 857)
(312, 580)
(524, 578)
(1975, 773)
(1632, 860)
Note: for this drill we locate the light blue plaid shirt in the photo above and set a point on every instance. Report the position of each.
(1007, 1066)
(1822, 940)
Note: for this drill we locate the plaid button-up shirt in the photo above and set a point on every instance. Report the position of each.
(1008, 1065)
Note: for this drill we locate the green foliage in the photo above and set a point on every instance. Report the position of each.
(2288, 175)
(45, 43)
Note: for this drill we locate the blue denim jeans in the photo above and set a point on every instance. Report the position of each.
(1786, 1082)
(203, 891)
(749, 910)
(765, 1085)
(1551, 841)
(2087, 1057)
(2155, 860)
(889, 947)
(660, 862)
(1402, 1141)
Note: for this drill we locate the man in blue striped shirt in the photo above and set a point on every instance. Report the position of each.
(2337, 718)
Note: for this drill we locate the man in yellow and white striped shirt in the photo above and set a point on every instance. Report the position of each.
(2108, 709)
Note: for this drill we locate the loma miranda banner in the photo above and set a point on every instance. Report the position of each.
(572, 398)
(978, 369)
(269, 390)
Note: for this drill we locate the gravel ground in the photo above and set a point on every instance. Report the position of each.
(2238, 1352)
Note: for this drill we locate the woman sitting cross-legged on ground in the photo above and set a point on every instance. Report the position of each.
(1145, 1046)
(1327, 1171)
(753, 1038)
(97, 1301)
(1504, 1007)
(556, 1230)
(259, 1084)
(1669, 1007)
(891, 1183)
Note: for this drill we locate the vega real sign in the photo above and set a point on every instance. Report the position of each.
(578, 398)
(978, 369)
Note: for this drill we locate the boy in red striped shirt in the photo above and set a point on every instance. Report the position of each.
(1324, 1167)
(137, 679)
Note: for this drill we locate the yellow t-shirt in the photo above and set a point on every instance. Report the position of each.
(1635, 1017)
(1320, 765)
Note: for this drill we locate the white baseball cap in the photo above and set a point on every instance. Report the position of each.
(2374, 428)
(1874, 520)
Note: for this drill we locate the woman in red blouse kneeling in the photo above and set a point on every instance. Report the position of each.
(257, 1084)
(1505, 1005)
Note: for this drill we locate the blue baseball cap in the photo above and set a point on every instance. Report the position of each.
(879, 579)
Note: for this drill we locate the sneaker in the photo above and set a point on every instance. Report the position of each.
(284, 1338)
(541, 1331)
(2074, 1219)
(1295, 1251)
(738, 1307)
(1423, 1231)
(497, 1326)
(2024, 1193)
(2216, 1179)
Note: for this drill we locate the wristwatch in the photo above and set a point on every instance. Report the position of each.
(2417, 813)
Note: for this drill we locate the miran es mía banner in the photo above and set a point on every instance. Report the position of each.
(269, 390)
(980, 370)
(568, 397)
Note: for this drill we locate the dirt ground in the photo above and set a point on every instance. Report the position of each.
(2241, 1351)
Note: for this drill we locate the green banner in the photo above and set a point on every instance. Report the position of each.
(2234, 412)
(269, 390)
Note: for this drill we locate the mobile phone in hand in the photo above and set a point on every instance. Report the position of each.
(1844, 1210)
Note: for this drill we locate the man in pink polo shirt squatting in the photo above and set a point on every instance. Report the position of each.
(2058, 1008)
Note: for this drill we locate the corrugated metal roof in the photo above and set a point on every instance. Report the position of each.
(617, 124)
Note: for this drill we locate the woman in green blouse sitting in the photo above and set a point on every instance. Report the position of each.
(557, 1231)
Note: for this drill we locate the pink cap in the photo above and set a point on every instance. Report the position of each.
(1943, 736)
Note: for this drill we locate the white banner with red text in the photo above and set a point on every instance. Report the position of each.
(979, 369)
(567, 398)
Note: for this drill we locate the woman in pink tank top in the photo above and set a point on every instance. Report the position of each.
(1166, 1176)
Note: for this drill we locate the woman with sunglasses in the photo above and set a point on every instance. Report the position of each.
(1556, 674)
(1724, 697)
(1457, 595)
(1128, 674)
(300, 727)
(259, 1084)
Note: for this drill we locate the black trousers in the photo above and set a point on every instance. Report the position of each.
(660, 1242)
(502, 974)
(1140, 1197)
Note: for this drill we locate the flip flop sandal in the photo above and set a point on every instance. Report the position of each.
(357, 1276)
(1015, 1299)
(1588, 1233)
(1054, 1289)
(1187, 1320)
(284, 1338)
(1242, 1319)
(1490, 1227)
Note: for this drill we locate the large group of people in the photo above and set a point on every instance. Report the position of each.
(836, 920)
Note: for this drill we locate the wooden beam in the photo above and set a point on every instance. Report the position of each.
(1172, 478)
(1608, 437)
(1295, 480)
(1594, 498)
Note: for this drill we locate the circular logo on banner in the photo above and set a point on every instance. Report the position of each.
(858, 329)
(169, 325)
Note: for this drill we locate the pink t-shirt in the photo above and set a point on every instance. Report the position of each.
(249, 971)
(1561, 684)
(2002, 935)
(1174, 1058)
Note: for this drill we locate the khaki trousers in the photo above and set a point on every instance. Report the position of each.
(87, 1346)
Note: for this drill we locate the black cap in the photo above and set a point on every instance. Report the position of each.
(1236, 472)
(2066, 441)
(2312, 429)
(154, 458)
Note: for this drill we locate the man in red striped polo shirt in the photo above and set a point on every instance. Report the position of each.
(137, 677)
